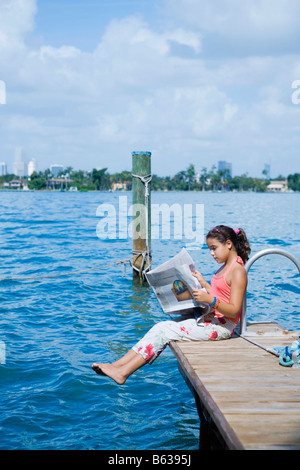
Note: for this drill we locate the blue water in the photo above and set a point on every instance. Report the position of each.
(53, 329)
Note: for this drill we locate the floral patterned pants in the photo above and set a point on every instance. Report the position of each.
(211, 328)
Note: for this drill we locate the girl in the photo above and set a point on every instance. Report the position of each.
(224, 295)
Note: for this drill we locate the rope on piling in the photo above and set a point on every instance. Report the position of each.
(140, 270)
(124, 262)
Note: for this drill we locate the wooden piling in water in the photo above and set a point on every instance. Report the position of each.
(141, 202)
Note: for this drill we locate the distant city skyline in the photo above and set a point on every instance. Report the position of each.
(25, 166)
(28, 165)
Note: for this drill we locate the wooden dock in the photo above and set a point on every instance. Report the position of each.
(245, 399)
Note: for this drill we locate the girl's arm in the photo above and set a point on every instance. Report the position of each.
(237, 292)
(203, 282)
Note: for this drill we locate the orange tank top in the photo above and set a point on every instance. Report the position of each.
(221, 290)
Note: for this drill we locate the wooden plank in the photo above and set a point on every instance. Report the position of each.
(266, 433)
(249, 395)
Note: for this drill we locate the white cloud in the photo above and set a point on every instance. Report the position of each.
(16, 19)
(64, 52)
(255, 20)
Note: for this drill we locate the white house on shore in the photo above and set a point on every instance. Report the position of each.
(278, 186)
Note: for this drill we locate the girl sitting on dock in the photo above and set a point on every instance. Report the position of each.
(224, 295)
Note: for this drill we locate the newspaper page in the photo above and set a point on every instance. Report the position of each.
(173, 283)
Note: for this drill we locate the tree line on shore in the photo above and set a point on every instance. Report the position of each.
(185, 180)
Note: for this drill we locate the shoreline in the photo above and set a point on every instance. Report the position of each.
(289, 191)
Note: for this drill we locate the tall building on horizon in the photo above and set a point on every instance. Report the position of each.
(19, 168)
(31, 166)
(223, 165)
(3, 169)
(56, 168)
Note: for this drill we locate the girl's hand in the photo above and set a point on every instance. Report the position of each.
(201, 296)
(200, 278)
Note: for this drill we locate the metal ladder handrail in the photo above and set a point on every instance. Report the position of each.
(270, 251)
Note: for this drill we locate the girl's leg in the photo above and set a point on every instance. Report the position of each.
(135, 357)
(120, 362)
(160, 335)
(124, 359)
(121, 372)
(149, 348)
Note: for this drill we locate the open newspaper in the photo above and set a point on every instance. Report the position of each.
(173, 283)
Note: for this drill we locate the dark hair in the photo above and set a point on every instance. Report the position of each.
(238, 237)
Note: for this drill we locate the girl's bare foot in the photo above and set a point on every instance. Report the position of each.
(122, 369)
(111, 371)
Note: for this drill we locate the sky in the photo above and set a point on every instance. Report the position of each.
(87, 83)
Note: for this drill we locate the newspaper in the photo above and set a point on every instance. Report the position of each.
(173, 283)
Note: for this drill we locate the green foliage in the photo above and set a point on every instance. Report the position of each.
(37, 181)
(100, 179)
(294, 182)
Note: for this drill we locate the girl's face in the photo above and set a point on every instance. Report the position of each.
(218, 250)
